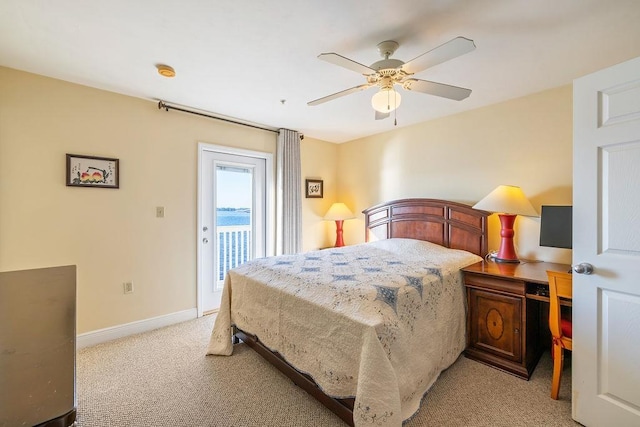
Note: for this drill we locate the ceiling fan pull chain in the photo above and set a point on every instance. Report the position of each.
(395, 114)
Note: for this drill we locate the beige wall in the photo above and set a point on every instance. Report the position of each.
(525, 142)
(112, 235)
(319, 161)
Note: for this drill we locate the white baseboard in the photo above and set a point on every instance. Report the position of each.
(107, 334)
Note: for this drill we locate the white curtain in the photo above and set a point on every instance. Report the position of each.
(289, 189)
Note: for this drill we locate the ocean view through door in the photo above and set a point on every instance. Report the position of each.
(232, 219)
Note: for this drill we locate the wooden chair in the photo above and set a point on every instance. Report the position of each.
(560, 286)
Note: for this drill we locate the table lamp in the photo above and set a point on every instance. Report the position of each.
(508, 202)
(338, 212)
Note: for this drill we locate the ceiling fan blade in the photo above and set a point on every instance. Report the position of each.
(338, 94)
(340, 60)
(380, 116)
(437, 89)
(444, 52)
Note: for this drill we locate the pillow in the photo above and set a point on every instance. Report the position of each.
(412, 249)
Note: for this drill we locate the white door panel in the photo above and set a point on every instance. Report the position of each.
(620, 339)
(620, 170)
(606, 304)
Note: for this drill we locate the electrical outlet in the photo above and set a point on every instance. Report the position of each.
(128, 287)
(160, 212)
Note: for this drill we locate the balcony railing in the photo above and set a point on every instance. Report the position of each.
(234, 247)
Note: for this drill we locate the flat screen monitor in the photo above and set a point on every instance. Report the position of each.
(555, 226)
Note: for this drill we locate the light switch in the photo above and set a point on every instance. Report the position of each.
(160, 212)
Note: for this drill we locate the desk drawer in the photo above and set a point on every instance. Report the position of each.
(483, 281)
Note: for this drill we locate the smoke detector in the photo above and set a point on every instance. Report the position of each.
(166, 71)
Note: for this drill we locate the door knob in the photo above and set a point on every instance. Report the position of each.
(205, 240)
(583, 268)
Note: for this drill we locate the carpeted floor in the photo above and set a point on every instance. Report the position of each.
(163, 378)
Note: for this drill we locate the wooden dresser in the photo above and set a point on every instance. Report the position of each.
(506, 318)
(38, 347)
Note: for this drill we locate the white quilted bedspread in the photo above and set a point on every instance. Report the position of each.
(378, 321)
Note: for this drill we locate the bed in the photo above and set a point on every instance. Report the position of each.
(366, 329)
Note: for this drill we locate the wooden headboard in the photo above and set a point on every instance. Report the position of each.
(449, 224)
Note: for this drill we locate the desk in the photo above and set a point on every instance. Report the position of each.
(507, 317)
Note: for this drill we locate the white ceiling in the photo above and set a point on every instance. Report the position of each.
(240, 58)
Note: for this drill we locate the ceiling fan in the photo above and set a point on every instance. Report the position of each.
(387, 73)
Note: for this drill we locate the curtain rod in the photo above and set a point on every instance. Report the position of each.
(167, 107)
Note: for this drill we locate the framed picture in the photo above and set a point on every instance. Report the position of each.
(313, 188)
(91, 171)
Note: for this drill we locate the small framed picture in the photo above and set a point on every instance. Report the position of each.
(313, 188)
(91, 171)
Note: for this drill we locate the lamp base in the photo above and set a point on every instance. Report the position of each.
(513, 261)
(507, 251)
(339, 240)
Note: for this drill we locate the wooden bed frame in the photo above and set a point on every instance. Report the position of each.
(450, 224)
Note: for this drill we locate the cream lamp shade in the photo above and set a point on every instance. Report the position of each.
(339, 212)
(386, 100)
(508, 202)
(507, 199)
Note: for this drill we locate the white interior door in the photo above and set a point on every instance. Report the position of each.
(232, 221)
(606, 234)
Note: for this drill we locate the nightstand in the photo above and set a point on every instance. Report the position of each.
(506, 325)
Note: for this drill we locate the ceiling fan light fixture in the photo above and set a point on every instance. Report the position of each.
(389, 72)
(386, 100)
